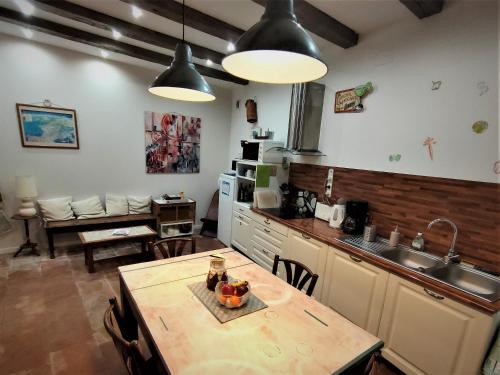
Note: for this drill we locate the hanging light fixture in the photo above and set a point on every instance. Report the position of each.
(276, 49)
(181, 81)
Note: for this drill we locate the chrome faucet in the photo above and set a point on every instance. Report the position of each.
(452, 255)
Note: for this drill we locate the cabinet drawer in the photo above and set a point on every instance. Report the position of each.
(269, 239)
(241, 217)
(243, 209)
(271, 224)
(263, 254)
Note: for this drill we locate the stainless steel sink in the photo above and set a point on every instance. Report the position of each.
(468, 280)
(412, 259)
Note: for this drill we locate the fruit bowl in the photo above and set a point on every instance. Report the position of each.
(232, 294)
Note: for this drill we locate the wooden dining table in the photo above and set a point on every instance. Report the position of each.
(294, 334)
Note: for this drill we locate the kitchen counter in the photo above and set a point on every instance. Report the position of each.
(321, 231)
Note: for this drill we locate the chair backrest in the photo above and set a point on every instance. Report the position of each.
(213, 209)
(129, 351)
(294, 276)
(173, 247)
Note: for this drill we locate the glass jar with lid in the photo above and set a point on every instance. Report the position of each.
(217, 271)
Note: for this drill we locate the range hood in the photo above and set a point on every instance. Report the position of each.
(304, 125)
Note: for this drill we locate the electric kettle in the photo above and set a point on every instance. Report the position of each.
(338, 215)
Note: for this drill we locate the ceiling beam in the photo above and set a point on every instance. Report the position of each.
(423, 8)
(107, 44)
(103, 21)
(172, 10)
(322, 24)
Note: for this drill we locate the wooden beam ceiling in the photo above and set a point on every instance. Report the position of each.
(423, 8)
(172, 10)
(322, 24)
(107, 44)
(102, 21)
(310, 17)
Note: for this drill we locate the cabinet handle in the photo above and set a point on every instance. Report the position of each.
(265, 252)
(306, 237)
(357, 260)
(241, 209)
(240, 217)
(267, 230)
(267, 221)
(432, 294)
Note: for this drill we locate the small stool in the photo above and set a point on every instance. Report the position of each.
(28, 244)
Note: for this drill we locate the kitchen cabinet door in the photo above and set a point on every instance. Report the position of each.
(241, 233)
(310, 252)
(426, 333)
(356, 289)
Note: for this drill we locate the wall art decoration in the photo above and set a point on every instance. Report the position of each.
(479, 127)
(350, 100)
(395, 157)
(47, 127)
(436, 85)
(172, 143)
(429, 142)
(496, 167)
(483, 88)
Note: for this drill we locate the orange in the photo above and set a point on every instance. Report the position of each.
(235, 300)
(222, 299)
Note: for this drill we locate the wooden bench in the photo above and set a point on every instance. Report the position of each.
(81, 225)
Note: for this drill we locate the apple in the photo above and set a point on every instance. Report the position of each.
(241, 288)
(227, 290)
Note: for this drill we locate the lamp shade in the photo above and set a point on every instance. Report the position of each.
(276, 49)
(25, 187)
(181, 81)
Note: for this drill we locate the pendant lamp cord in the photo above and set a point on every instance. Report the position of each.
(183, 11)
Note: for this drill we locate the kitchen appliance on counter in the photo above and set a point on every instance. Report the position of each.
(262, 151)
(338, 216)
(356, 215)
(227, 194)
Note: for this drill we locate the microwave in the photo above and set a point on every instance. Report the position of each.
(262, 151)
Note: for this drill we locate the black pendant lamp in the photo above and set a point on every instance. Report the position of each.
(181, 81)
(276, 49)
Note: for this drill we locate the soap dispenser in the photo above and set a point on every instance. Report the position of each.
(394, 239)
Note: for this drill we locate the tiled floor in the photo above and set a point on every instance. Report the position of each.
(51, 312)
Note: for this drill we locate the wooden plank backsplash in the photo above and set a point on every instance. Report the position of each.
(413, 201)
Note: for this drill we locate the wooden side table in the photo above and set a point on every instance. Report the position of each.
(28, 244)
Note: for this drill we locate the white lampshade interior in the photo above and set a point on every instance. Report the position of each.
(25, 187)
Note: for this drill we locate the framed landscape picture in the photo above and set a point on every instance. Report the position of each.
(47, 127)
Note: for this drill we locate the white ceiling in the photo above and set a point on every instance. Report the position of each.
(363, 16)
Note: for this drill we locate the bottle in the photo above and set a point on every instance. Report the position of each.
(394, 239)
(418, 242)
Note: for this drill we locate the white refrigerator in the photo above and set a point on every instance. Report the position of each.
(227, 194)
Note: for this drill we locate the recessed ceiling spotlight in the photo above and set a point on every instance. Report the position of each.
(104, 53)
(25, 7)
(27, 33)
(136, 12)
(116, 34)
(209, 62)
(230, 47)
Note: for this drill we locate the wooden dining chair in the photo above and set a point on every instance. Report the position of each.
(132, 357)
(172, 247)
(294, 277)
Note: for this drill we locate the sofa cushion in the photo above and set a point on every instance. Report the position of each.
(56, 209)
(116, 205)
(88, 208)
(139, 205)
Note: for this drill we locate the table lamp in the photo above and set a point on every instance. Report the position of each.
(26, 190)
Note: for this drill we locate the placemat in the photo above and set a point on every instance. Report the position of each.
(223, 314)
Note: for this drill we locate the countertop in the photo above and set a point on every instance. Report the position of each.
(321, 231)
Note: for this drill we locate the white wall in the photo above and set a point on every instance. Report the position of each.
(459, 47)
(110, 99)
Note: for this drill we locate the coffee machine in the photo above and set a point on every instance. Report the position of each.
(356, 214)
